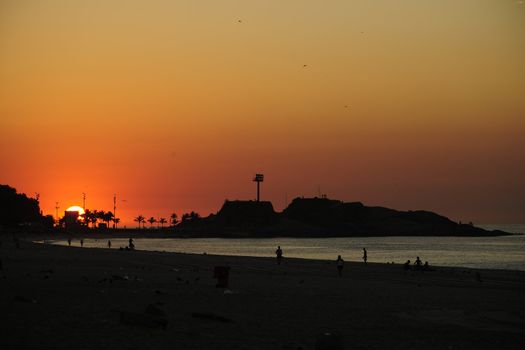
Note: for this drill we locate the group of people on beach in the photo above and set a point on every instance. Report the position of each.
(339, 261)
(418, 265)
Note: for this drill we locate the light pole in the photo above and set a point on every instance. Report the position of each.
(114, 210)
(56, 210)
(258, 178)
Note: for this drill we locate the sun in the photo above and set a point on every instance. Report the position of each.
(76, 208)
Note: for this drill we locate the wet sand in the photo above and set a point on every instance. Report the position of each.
(55, 297)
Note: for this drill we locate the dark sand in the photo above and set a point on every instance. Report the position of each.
(66, 298)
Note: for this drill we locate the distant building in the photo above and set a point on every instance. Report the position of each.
(71, 219)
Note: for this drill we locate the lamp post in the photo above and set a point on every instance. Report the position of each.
(258, 178)
(114, 209)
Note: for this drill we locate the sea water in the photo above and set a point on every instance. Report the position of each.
(501, 252)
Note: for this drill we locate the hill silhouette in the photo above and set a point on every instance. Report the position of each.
(323, 217)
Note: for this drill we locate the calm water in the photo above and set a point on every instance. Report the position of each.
(507, 252)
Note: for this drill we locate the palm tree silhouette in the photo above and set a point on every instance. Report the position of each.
(174, 219)
(193, 216)
(99, 215)
(90, 217)
(152, 220)
(107, 217)
(162, 221)
(116, 221)
(140, 219)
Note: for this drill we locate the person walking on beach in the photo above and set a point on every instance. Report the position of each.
(279, 254)
(340, 262)
(109, 244)
(81, 242)
(365, 255)
(69, 241)
(130, 242)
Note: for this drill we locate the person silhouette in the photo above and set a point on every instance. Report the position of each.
(418, 263)
(406, 266)
(81, 242)
(69, 241)
(340, 262)
(279, 254)
(130, 241)
(365, 255)
(109, 244)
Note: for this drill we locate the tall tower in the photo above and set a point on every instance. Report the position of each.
(114, 210)
(258, 178)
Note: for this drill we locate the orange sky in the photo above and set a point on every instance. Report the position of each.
(175, 105)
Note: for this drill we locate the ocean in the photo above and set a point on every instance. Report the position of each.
(502, 252)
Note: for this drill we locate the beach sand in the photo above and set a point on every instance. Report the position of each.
(55, 297)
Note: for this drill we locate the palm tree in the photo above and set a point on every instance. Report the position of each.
(185, 217)
(162, 221)
(116, 221)
(151, 221)
(107, 217)
(93, 217)
(99, 215)
(174, 219)
(140, 219)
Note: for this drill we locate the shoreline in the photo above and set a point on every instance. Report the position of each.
(310, 260)
(181, 233)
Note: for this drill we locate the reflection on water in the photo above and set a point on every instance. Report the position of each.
(506, 252)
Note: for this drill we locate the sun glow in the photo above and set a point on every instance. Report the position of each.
(76, 208)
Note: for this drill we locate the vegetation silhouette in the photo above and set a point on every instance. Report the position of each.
(17, 209)
(152, 221)
(140, 219)
(174, 219)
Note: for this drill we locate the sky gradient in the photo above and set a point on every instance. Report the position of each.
(175, 105)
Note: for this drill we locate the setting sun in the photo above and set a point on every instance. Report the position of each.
(76, 208)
